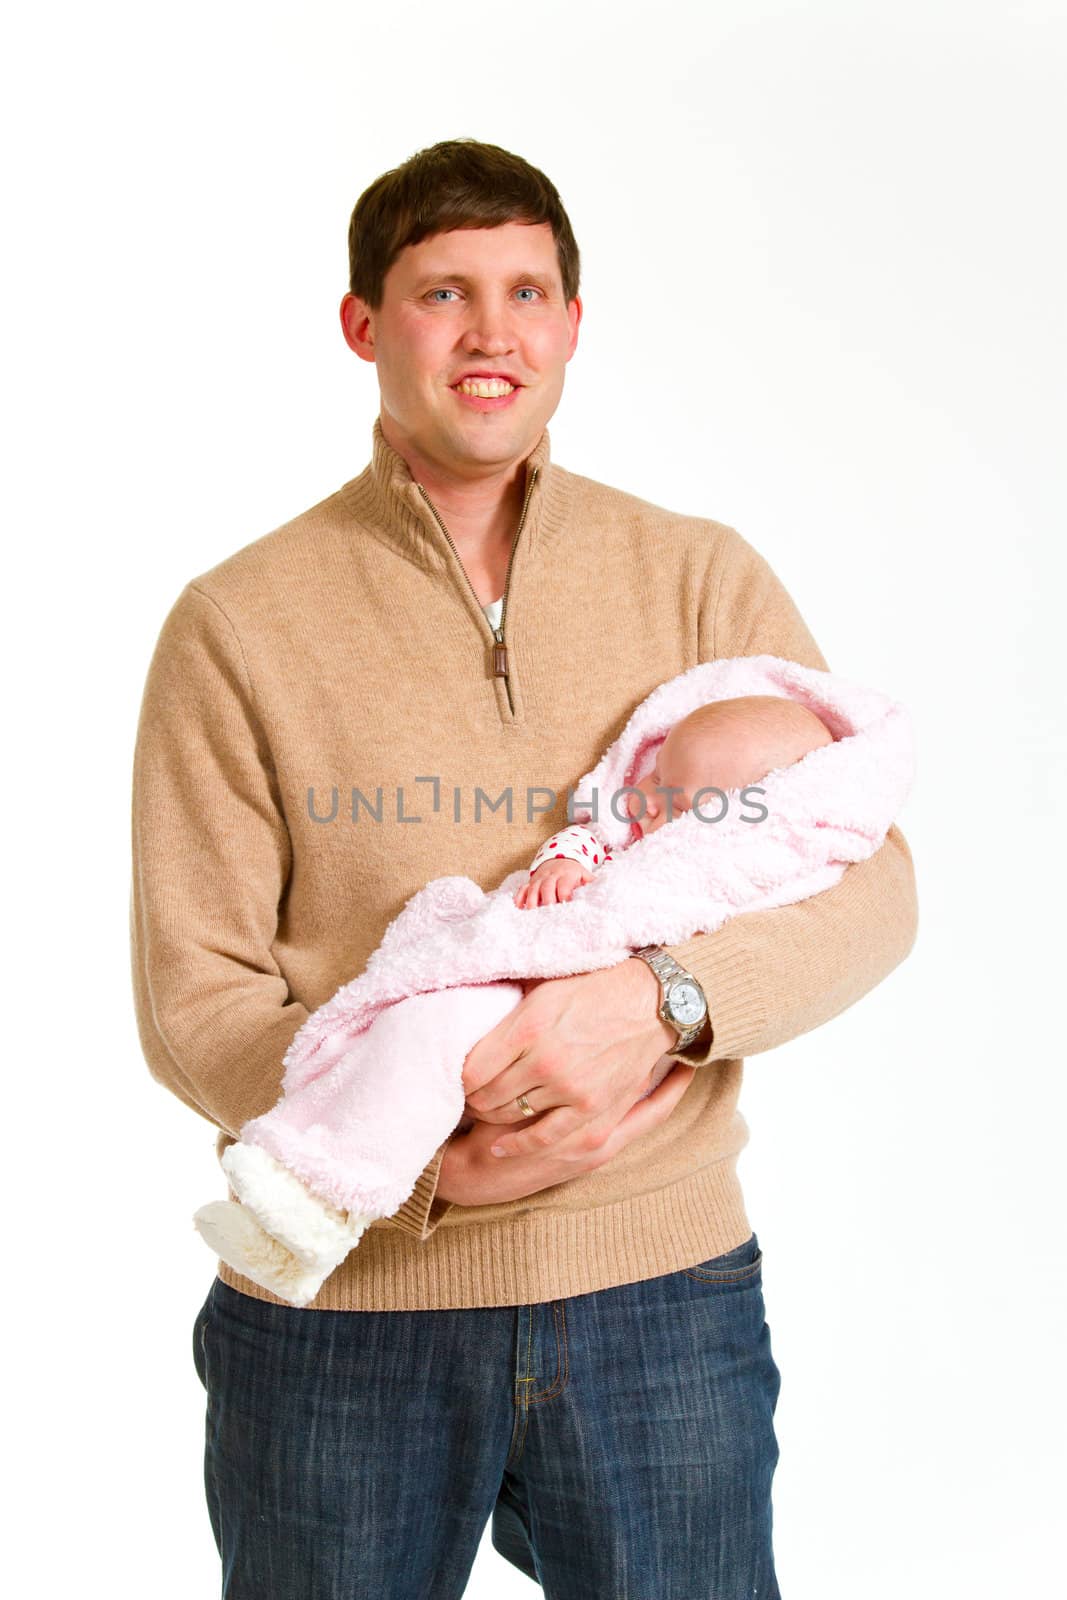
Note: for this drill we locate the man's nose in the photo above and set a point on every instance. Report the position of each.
(489, 329)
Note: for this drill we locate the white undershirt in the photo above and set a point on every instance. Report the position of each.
(492, 611)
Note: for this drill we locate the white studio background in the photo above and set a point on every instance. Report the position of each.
(823, 281)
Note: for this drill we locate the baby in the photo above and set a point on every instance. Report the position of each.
(289, 1236)
(728, 744)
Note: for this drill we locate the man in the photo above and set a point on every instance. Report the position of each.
(570, 1337)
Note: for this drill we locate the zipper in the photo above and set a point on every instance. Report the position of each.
(500, 649)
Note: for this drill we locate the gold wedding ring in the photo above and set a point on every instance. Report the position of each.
(525, 1107)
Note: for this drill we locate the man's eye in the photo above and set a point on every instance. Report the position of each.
(527, 289)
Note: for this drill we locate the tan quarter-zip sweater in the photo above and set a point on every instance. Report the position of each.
(341, 670)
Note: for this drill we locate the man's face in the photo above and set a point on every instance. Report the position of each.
(485, 301)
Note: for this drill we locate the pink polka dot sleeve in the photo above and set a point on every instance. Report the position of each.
(575, 843)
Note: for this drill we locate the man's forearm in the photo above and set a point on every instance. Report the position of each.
(770, 976)
(220, 1052)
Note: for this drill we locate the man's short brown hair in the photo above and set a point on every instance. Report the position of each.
(458, 183)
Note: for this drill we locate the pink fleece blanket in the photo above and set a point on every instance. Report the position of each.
(372, 1080)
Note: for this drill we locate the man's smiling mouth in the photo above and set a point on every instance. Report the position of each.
(485, 388)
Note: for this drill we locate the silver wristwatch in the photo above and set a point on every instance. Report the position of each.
(683, 1004)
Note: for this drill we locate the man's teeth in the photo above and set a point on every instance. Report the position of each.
(485, 388)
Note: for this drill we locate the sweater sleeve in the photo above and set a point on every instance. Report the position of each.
(211, 861)
(770, 976)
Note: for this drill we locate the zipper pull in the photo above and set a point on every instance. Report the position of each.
(500, 655)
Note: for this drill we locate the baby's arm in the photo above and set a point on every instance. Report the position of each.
(567, 860)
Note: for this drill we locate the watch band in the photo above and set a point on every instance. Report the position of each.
(669, 972)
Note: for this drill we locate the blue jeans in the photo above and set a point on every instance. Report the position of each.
(622, 1442)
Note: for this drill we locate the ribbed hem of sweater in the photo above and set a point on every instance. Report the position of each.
(524, 1260)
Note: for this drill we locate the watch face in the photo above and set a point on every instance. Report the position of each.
(686, 1004)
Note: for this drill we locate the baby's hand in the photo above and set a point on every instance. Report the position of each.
(553, 881)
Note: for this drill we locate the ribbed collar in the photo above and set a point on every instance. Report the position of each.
(387, 500)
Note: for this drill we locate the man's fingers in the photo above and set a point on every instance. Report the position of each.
(506, 1114)
(651, 1111)
(551, 1128)
(543, 1136)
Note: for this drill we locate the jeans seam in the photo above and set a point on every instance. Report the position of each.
(559, 1382)
(519, 1395)
(211, 1441)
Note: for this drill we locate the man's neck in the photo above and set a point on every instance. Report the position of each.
(481, 514)
(482, 521)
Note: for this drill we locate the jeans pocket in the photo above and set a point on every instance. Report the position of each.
(742, 1264)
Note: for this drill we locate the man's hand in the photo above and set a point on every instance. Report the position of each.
(582, 1049)
(470, 1176)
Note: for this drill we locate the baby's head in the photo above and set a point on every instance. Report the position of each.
(724, 745)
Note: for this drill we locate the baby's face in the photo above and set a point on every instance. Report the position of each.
(665, 792)
(729, 751)
(728, 756)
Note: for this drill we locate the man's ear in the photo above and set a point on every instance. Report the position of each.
(574, 316)
(357, 325)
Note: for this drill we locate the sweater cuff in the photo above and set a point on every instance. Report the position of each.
(422, 1210)
(723, 966)
(695, 1054)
